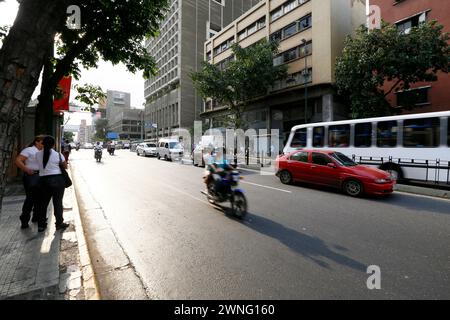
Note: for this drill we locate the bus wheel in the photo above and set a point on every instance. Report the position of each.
(395, 171)
(353, 188)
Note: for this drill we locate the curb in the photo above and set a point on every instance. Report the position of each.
(89, 282)
(437, 193)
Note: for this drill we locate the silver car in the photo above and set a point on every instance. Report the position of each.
(146, 149)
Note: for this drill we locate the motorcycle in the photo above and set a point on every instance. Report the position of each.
(229, 191)
(98, 155)
(111, 151)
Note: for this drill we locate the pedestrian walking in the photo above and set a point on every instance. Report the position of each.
(51, 184)
(66, 149)
(27, 162)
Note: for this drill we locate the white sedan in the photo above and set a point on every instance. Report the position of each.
(146, 149)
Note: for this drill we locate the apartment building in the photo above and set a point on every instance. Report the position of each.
(311, 35)
(171, 100)
(428, 96)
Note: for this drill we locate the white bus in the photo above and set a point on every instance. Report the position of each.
(411, 147)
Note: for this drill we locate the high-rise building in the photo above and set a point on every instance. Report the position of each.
(171, 101)
(311, 35)
(427, 96)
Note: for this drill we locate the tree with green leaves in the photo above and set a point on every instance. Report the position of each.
(110, 30)
(101, 129)
(386, 56)
(90, 95)
(248, 76)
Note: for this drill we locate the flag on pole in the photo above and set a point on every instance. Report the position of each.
(62, 104)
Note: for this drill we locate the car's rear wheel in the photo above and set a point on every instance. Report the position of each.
(285, 177)
(353, 188)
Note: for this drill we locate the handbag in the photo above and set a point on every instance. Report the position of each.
(65, 174)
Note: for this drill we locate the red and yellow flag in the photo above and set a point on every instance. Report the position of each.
(62, 104)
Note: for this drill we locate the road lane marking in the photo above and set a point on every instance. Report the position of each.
(262, 186)
(186, 193)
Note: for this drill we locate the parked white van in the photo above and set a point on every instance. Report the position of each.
(170, 149)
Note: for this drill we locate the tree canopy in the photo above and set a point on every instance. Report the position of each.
(249, 75)
(372, 59)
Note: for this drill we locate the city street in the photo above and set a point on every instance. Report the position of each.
(297, 242)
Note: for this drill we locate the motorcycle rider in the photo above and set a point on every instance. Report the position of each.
(218, 167)
(110, 147)
(97, 147)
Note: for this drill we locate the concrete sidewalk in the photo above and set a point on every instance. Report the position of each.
(52, 265)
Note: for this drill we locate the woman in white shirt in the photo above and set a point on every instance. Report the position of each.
(51, 184)
(26, 161)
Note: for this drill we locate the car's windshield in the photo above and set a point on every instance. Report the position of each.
(343, 159)
(174, 145)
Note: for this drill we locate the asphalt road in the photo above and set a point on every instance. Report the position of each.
(297, 242)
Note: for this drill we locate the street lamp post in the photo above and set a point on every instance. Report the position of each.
(305, 74)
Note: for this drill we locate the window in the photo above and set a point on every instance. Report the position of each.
(299, 139)
(278, 60)
(277, 35)
(290, 55)
(319, 137)
(339, 136)
(421, 133)
(387, 134)
(289, 30)
(300, 156)
(320, 159)
(305, 49)
(289, 6)
(405, 26)
(363, 135)
(448, 132)
(343, 159)
(412, 97)
(252, 28)
(261, 23)
(305, 23)
(242, 35)
(276, 13)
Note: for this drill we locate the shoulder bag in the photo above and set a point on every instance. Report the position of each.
(65, 174)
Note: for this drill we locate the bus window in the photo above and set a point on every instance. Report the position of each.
(339, 136)
(363, 135)
(387, 134)
(421, 133)
(319, 137)
(299, 139)
(448, 132)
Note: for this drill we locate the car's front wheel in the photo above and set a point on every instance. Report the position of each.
(353, 188)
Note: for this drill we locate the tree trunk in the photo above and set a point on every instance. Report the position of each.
(43, 121)
(21, 59)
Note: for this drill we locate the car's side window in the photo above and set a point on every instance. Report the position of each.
(166, 145)
(300, 157)
(320, 159)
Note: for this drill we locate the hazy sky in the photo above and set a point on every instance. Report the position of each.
(107, 76)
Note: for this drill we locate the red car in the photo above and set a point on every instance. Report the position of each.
(330, 168)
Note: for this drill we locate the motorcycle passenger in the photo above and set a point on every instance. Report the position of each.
(218, 168)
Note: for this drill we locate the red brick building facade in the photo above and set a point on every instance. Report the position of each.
(431, 96)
